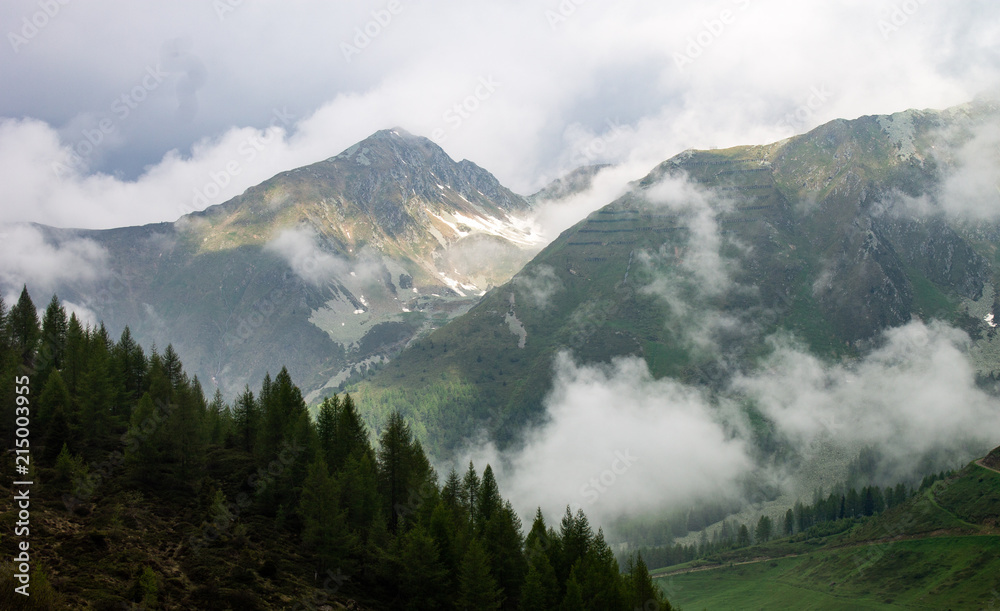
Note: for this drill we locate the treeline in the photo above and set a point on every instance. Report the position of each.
(814, 519)
(109, 414)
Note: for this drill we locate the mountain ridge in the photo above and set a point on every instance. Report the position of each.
(812, 235)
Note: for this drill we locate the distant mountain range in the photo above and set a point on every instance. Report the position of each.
(833, 236)
(392, 248)
(329, 269)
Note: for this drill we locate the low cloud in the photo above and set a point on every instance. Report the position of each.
(616, 442)
(27, 257)
(299, 247)
(539, 284)
(971, 189)
(914, 397)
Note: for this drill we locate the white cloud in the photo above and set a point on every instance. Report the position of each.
(914, 396)
(559, 86)
(303, 254)
(26, 257)
(618, 442)
(661, 445)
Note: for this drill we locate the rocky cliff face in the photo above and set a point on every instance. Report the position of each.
(329, 269)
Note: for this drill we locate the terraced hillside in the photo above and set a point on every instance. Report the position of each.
(818, 235)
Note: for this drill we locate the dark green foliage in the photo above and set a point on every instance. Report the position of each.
(324, 523)
(52, 347)
(477, 587)
(24, 330)
(424, 578)
(129, 368)
(573, 600)
(246, 420)
(743, 538)
(488, 504)
(641, 591)
(764, 530)
(245, 498)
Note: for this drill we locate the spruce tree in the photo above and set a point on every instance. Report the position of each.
(129, 365)
(246, 420)
(477, 590)
(75, 356)
(743, 538)
(53, 344)
(504, 544)
(642, 592)
(54, 396)
(489, 502)
(423, 579)
(573, 600)
(576, 537)
(142, 452)
(326, 427)
(24, 329)
(403, 470)
(324, 523)
(470, 494)
(764, 530)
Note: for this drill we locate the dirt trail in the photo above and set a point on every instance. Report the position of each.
(980, 463)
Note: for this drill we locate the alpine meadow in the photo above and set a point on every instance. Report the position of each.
(561, 305)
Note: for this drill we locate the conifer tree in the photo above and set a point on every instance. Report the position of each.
(129, 365)
(489, 502)
(743, 538)
(359, 490)
(504, 544)
(53, 340)
(351, 433)
(533, 595)
(96, 393)
(324, 523)
(599, 576)
(470, 494)
(54, 396)
(423, 578)
(142, 451)
(642, 592)
(326, 427)
(24, 329)
(75, 356)
(246, 420)
(399, 468)
(762, 534)
(477, 590)
(576, 537)
(573, 600)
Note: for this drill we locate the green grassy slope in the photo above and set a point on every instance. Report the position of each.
(808, 245)
(939, 550)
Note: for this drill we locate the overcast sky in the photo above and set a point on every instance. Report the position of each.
(115, 113)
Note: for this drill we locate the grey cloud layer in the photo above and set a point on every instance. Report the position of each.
(600, 82)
